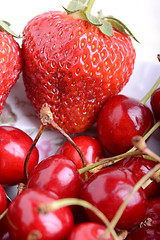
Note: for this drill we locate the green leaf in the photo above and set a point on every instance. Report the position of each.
(106, 28)
(117, 26)
(75, 6)
(121, 25)
(4, 26)
(93, 20)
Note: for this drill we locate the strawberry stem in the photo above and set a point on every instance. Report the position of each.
(90, 5)
(147, 96)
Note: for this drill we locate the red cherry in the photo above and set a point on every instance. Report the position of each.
(107, 190)
(120, 119)
(88, 231)
(155, 103)
(3, 200)
(144, 233)
(14, 145)
(90, 147)
(140, 167)
(56, 174)
(4, 231)
(153, 210)
(24, 219)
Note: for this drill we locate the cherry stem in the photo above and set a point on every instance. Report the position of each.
(147, 96)
(49, 120)
(41, 129)
(45, 208)
(111, 160)
(135, 188)
(3, 214)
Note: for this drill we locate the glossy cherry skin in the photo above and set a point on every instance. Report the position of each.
(140, 167)
(14, 146)
(144, 233)
(153, 210)
(4, 231)
(88, 231)
(23, 217)
(120, 119)
(56, 174)
(107, 190)
(3, 200)
(90, 147)
(155, 103)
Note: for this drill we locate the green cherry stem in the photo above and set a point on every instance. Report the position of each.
(45, 208)
(147, 96)
(138, 185)
(3, 214)
(111, 160)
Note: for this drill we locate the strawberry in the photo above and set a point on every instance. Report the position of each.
(73, 65)
(10, 61)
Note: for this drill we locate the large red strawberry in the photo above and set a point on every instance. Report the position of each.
(10, 61)
(74, 66)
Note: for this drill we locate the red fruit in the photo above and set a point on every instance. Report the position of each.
(90, 147)
(23, 217)
(14, 146)
(120, 119)
(4, 232)
(10, 65)
(3, 200)
(155, 103)
(153, 210)
(56, 174)
(107, 190)
(145, 233)
(141, 166)
(88, 231)
(74, 67)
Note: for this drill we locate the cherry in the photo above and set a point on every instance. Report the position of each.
(155, 103)
(3, 200)
(90, 147)
(4, 232)
(153, 210)
(88, 231)
(108, 188)
(145, 233)
(25, 222)
(140, 167)
(14, 145)
(56, 174)
(120, 119)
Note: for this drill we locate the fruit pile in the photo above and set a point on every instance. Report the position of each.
(107, 187)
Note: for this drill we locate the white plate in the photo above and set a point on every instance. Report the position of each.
(18, 111)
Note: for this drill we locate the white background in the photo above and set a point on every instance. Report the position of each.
(141, 16)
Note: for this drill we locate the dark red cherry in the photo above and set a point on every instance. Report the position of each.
(90, 147)
(3, 200)
(107, 190)
(24, 220)
(140, 167)
(56, 174)
(153, 210)
(144, 233)
(14, 145)
(120, 119)
(155, 103)
(4, 231)
(88, 231)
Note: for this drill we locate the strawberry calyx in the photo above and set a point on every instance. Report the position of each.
(5, 26)
(82, 9)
